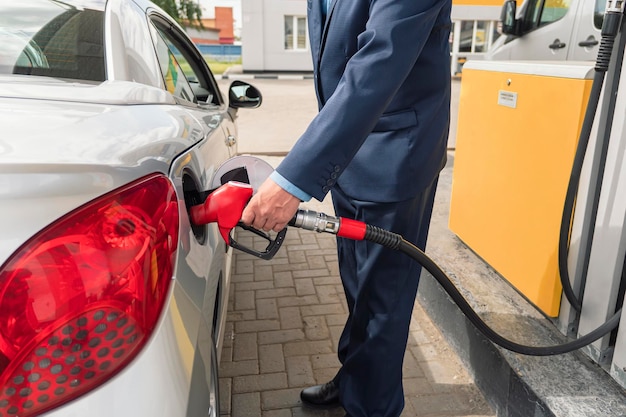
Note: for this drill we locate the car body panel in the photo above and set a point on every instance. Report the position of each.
(66, 142)
(55, 163)
(108, 92)
(129, 47)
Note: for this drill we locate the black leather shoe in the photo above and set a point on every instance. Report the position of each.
(325, 395)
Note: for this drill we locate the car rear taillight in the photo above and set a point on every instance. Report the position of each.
(80, 299)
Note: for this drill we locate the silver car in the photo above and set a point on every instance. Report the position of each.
(111, 126)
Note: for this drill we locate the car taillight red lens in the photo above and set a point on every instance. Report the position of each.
(80, 299)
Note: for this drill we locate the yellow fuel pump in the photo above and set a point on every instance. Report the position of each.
(518, 128)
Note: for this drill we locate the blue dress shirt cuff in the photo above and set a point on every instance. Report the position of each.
(289, 187)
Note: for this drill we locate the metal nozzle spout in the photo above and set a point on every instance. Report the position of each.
(318, 222)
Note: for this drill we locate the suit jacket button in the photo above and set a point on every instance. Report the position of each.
(330, 182)
(333, 175)
(325, 188)
(337, 168)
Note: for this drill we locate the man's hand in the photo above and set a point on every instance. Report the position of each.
(271, 208)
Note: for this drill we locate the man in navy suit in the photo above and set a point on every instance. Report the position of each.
(378, 143)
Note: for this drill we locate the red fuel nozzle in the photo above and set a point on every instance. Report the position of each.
(223, 206)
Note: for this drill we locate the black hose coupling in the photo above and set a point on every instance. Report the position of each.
(610, 26)
(382, 237)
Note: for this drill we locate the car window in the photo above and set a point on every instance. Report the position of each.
(190, 63)
(175, 80)
(52, 38)
(542, 12)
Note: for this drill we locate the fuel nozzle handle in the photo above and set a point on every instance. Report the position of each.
(224, 206)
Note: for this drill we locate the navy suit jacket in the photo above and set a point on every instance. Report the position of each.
(382, 79)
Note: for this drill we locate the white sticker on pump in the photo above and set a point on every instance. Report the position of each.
(507, 99)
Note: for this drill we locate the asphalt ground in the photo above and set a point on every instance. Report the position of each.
(286, 315)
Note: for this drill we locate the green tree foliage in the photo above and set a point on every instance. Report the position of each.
(185, 12)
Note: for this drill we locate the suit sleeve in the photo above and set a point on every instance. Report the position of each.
(388, 48)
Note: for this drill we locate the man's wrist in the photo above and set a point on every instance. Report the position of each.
(286, 185)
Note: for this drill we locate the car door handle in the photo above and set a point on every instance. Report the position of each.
(557, 44)
(590, 41)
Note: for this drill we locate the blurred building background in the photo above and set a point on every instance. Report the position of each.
(275, 37)
(216, 38)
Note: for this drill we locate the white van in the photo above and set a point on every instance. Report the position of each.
(550, 30)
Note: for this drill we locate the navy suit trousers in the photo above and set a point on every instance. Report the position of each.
(380, 286)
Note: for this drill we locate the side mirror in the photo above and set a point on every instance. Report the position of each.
(509, 22)
(243, 95)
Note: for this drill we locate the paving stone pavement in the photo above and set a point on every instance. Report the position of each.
(284, 321)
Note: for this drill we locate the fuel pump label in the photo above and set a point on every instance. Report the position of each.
(507, 99)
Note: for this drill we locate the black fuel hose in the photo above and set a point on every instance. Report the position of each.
(611, 25)
(357, 230)
(397, 242)
(572, 191)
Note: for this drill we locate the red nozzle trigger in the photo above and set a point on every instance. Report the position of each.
(224, 206)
